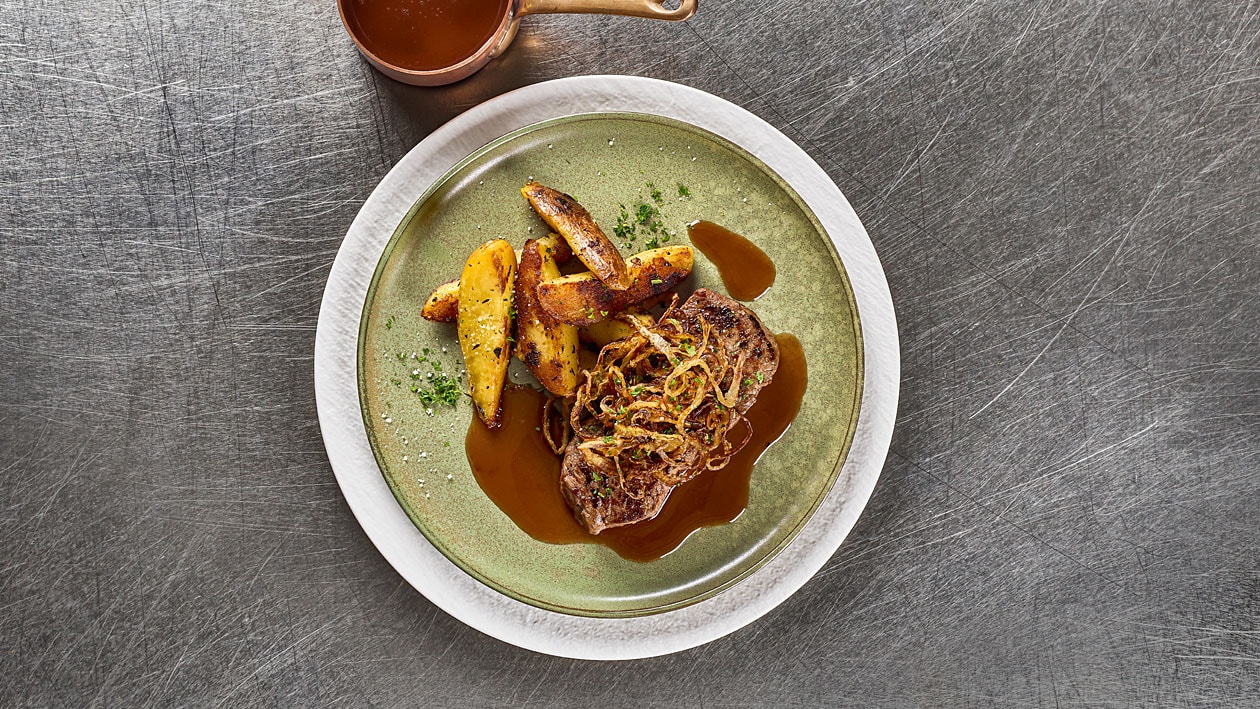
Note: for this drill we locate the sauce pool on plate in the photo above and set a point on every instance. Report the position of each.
(746, 270)
(423, 35)
(519, 473)
(517, 470)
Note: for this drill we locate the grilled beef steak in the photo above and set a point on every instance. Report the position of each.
(597, 505)
(740, 331)
(585, 477)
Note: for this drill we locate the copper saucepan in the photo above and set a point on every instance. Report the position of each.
(506, 31)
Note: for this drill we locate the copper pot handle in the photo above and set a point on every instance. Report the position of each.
(652, 9)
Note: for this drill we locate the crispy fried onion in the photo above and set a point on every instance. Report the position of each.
(659, 403)
(549, 427)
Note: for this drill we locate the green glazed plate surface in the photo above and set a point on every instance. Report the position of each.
(604, 160)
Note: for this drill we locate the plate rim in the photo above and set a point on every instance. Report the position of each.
(392, 531)
(373, 438)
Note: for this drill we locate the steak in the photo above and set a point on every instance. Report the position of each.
(740, 331)
(597, 505)
(585, 476)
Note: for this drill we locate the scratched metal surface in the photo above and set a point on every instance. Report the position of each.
(1064, 195)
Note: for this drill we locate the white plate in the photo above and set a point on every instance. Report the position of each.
(388, 526)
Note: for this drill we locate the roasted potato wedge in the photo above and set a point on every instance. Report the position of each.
(587, 359)
(612, 329)
(485, 321)
(582, 299)
(443, 303)
(560, 250)
(547, 346)
(589, 243)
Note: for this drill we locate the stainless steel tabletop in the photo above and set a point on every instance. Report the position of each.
(1064, 196)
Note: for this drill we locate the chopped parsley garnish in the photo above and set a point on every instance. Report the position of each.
(646, 212)
(435, 386)
(389, 323)
(657, 281)
(683, 191)
(624, 229)
(644, 215)
(444, 390)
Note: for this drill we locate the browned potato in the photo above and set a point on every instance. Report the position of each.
(611, 330)
(485, 320)
(443, 303)
(591, 245)
(582, 299)
(560, 250)
(587, 359)
(547, 346)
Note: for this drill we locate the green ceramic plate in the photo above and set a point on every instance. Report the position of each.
(604, 160)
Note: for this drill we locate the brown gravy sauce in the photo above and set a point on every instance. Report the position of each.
(746, 270)
(423, 35)
(518, 471)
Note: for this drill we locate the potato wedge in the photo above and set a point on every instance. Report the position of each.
(589, 243)
(443, 302)
(611, 330)
(587, 359)
(582, 299)
(560, 250)
(485, 321)
(547, 346)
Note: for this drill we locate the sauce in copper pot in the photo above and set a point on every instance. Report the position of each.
(423, 35)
